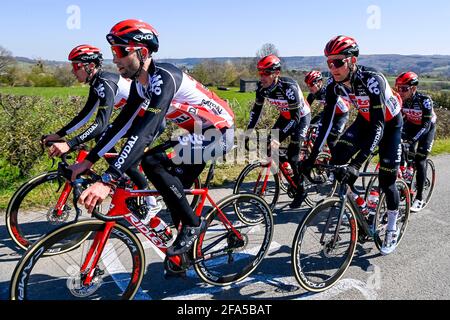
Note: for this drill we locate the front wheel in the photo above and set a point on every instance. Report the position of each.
(116, 275)
(324, 244)
(38, 207)
(237, 238)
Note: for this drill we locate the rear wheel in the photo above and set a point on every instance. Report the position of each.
(227, 255)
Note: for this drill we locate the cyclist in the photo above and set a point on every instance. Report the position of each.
(107, 91)
(419, 128)
(314, 81)
(295, 114)
(170, 93)
(378, 123)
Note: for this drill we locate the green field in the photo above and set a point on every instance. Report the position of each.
(45, 92)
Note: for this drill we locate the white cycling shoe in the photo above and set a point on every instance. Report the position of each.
(389, 243)
(152, 210)
(418, 205)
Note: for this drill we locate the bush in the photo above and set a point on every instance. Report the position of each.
(23, 120)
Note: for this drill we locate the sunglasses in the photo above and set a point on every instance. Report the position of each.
(336, 63)
(123, 51)
(265, 72)
(403, 88)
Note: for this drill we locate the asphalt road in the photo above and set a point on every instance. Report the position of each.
(419, 269)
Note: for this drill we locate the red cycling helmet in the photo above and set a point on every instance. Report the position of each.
(407, 79)
(342, 45)
(135, 33)
(86, 54)
(313, 77)
(269, 63)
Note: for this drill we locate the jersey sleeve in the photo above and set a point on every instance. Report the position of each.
(104, 111)
(83, 116)
(255, 113)
(427, 115)
(311, 98)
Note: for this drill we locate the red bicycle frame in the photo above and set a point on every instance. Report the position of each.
(119, 208)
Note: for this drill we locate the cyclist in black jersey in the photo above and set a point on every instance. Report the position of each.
(159, 91)
(419, 128)
(378, 123)
(314, 81)
(295, 114)
(106, 92)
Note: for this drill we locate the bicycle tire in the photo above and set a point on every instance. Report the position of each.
(380, 219)
(63, 285)
(26, 224)
(303, 270)
(429, 184)
(272, 192)
(235, 260)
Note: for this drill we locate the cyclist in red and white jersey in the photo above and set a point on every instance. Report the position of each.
(314, 81)
(107, 91)
(295, 115)
(378, 124)
(419, 128)
(167, 91)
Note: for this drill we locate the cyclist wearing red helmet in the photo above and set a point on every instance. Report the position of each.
(419, 128)
(169, 93)
(378, 123)
(107, 91)
(314, 81)
(295, 115)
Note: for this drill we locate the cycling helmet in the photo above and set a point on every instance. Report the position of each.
(312, 77)
(135, 33)
(269, 63)
(407, 79)
(86, 54)
(342, 45)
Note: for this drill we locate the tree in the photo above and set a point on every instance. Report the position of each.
(64, 76)
(5, 59)
(267, 49)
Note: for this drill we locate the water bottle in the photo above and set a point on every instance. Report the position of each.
(372, 201)
(361, 204)
(287, 167)
(161, 229)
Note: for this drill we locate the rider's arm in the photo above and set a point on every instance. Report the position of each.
(119, 127)
(143, 132)
(83, 117)
(104, 111)
(427, 115)
(310, 98)
(256, 111)
(327, 120)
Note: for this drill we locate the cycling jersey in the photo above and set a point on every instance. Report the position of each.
(286, 96)
(171, 93)
(107, 90)
(377, 107)
(342, 106)
(418, 114)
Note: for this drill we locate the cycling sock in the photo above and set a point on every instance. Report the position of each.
(392, 220)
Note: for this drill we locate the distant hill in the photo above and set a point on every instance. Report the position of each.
(391, 64)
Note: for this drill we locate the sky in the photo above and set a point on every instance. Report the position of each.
(49, 29)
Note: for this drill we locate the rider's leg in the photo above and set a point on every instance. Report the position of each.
(423, 150)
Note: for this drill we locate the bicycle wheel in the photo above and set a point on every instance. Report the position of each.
(252, 180)
(430, 181)
(319, 258)
(319, 192)
(225, 255)
(32, 211)
(117, 275)
(381, 217)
